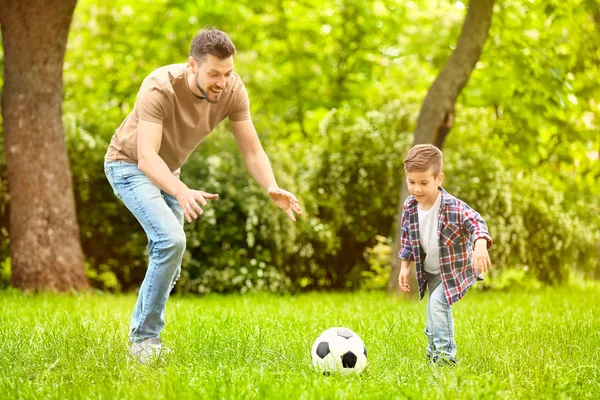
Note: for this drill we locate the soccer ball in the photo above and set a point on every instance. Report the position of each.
(339, 350)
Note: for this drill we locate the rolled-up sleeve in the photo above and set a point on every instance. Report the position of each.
(475, 225)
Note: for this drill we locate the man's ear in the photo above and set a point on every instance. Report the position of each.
(191, 62)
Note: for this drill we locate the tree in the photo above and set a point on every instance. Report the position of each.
(45, 245)
(437, 113)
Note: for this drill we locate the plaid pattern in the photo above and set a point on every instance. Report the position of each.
(458, 229)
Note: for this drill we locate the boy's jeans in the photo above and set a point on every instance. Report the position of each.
(162, 218)
(440, 324)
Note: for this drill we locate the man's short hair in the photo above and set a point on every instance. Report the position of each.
(422, 157)
(211, 41)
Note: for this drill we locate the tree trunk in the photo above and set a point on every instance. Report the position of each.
(437, 113)
(45, 245)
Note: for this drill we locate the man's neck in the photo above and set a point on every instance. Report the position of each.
(190, 79)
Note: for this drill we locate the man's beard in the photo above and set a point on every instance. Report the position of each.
(204, 93)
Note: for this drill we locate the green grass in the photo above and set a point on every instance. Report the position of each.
(542, 344)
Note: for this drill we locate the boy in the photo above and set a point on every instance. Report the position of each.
(438, 233)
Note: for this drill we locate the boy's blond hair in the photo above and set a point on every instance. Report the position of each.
(422, 157)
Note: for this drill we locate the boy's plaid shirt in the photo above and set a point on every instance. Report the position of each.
(458, 228)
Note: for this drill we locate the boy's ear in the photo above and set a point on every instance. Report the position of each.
(440, 179)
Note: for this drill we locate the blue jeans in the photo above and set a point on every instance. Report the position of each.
(440, 323)
(162, 219)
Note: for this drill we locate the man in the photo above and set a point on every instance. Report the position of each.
(177, 106)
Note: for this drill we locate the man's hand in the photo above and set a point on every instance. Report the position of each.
(403, 277)
(481, 258)
(188, 200)
(285, 200)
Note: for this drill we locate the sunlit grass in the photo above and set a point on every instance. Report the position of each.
(544, 344)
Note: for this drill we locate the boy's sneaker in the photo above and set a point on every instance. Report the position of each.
(148, 350)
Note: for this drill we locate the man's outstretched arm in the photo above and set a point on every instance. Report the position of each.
(260, 168)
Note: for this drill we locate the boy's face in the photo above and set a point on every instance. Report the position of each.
(424, 185)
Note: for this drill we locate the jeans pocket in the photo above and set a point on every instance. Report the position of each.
(110, 176)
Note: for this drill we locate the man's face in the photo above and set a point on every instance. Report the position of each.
(424, 185)
(212, 76)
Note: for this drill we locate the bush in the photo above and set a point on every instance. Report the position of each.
(532, 226)
(357, 181)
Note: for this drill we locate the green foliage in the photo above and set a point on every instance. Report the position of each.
(240, 241)
(335, 89)
(514, 279)
(5, 273)
(242, 244)
(102, 277)
(357, 182)
(533, 224)
(537, 74)
(378, 257)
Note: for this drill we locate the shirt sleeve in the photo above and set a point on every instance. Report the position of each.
(241, 104)
(475, 225)
(406, 250)
(152, 104)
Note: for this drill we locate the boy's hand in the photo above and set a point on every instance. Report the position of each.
(481, 258)
(403, 279)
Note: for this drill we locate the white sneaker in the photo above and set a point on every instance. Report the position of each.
(146, 351)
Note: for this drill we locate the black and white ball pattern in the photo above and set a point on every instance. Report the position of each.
(339, 350)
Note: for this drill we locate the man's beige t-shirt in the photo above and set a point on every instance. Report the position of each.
(165, 98)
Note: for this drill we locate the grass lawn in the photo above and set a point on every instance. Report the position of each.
(524, 345)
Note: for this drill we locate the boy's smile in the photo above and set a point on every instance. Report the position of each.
(423, 185)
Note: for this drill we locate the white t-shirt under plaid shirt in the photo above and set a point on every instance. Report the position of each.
(428, 236)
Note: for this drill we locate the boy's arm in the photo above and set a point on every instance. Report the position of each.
(405, 249)
(403, 276)
(405, 252)
(481, 238)
(476, 226)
